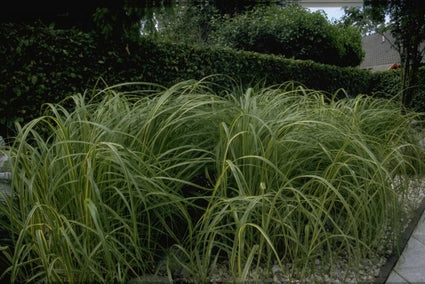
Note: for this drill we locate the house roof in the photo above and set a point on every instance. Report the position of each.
(379, 52)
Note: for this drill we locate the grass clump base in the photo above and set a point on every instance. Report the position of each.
(182, 182)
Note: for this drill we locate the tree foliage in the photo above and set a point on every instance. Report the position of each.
(361, 18)
(293, 32)
(109, 18)
(407, 26)
(191, 24)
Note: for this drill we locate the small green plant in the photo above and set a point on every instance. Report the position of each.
(142, 179)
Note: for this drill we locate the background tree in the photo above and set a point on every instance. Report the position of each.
(293, 32)
(193, 21)
(230, 7)
(407, 26)
(107, 18)
(362, 19)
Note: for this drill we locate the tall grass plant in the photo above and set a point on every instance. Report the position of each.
(178, 181)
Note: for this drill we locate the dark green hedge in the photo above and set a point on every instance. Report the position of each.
(387, 84)
(173, 62)
(40, 64)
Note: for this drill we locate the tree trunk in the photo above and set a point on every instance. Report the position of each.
(410, 60)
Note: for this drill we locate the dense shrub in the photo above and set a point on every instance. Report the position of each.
(179, 62)
(387, 84)
(418, 101)
(40, 64)
(292, 32)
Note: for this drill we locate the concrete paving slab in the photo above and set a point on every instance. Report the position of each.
(411, 264)
(395, 278)
(419, 232)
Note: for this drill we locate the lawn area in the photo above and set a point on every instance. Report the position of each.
(185, 181)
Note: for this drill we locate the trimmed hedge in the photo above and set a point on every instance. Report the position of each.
(387, 84)
(41, 64)
(173, 62)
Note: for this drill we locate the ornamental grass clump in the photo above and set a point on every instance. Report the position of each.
(179, 181)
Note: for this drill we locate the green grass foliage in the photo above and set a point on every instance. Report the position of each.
(140, 179)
